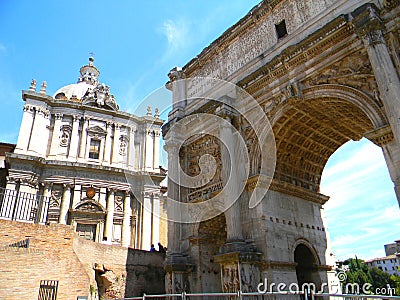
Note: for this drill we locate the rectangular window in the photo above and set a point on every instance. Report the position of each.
(94, 150)
(281, 29)
(87, 231)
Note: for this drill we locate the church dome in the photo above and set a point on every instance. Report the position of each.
(73, 92)
(88, 90)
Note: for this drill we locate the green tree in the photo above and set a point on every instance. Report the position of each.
(360, 273)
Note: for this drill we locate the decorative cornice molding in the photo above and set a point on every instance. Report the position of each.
(297, 191)
(368, 25)
(270, 264)
(380, 136)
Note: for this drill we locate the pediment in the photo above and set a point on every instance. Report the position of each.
(97, 130)
(89, 206)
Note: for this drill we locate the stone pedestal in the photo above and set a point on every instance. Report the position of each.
(240, 268)
(177, 268)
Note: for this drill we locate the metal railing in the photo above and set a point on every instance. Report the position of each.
(22, 206)
(256, 295)
(21, 244)
(48, 290)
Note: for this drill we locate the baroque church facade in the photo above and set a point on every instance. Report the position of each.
(84, 162)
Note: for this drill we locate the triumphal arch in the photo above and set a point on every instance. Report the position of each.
(255, 117)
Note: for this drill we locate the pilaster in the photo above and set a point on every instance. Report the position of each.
(115, 153)
(156, 155)
(25, 129)
(40, 128)
(76, 198)
(149, 155)
(65, 203)
(73, 148)
(84, 133)
(108, 146)
(126, 223)
(110, 216)
(55, 140)
(131, 154)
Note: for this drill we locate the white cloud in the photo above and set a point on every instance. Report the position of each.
(177, 34)
(368, 154)
(3, 48)
(362, 213)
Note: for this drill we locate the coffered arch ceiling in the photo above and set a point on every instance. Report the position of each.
(310, 128)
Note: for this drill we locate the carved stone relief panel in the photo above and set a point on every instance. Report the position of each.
(118, 208)
(230, 278)
(65, 136)
(192, 153)
(250, 275)
(123, 144)
(55, 203)
(354, 70)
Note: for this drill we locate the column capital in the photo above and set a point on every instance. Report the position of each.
(225, 112)
(172, 147)
(76, 118)
(46, 184)
(176, 73)
(109, 123)
(42, 111)
(86, 118)
(67, 185)
(368, 25)
(58, 116)
(29, 108)
(111, 191)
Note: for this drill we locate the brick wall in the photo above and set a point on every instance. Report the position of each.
(125, 272)
(49, 257)
(80, 266)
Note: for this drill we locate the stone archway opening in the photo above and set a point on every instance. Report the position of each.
(212, 235)
(307, 266)
(308, 132)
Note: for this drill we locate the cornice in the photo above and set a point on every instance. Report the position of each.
(380, 136)
(54, 104)
(297, 191)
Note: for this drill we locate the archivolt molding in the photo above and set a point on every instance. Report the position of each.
(351, 95)
(302, 241)
(311, 124)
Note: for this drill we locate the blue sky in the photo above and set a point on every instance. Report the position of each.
(136, 43)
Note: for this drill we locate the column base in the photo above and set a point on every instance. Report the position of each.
(240, 267)
(177, 267)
